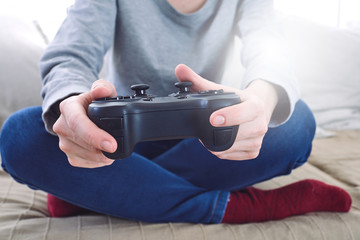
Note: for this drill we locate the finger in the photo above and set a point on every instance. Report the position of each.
(248, 110)
(91, 134)
(244, 145)
(76, 139)
(60, 127)
(239, 156)
(81, 157)
(185, 73)
(102, 88)
(76, 161)
(252, 131)
(232, 115)
(64, 132)
(78, 122)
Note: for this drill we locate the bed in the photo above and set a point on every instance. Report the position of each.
(335, 158)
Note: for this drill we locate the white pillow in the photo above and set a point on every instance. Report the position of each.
(21, 47)
(327, 64)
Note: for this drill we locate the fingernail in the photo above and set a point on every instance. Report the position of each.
(218, 120)
(107, 146)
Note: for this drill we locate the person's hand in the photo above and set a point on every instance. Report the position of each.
(79, 138)
(252, 114)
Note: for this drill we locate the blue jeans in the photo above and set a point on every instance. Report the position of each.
(176, 181)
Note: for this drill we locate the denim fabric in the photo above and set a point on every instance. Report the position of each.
(177, 181)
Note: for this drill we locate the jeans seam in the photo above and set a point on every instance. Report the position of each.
(216, 207)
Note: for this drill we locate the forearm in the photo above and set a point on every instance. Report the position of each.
(72, 61)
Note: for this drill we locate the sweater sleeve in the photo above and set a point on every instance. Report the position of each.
(265, 55)
(74, 58)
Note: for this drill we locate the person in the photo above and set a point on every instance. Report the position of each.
(57, 148)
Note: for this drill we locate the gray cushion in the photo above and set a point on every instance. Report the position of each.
(21, 47)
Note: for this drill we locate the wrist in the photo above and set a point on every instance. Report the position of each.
(267, 93)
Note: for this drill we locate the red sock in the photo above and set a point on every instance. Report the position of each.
(255, 205)
(61, 208)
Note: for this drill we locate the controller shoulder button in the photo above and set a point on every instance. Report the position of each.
(222, 137)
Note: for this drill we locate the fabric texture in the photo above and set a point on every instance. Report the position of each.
(24, 214)
(335, 160)
(309, 195)
(146, 48)
(184, 183)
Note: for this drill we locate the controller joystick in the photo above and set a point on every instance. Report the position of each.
(140, 89)
(184, 87)
(144, 117)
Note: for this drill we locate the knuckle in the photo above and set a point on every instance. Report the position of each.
(89, 163)
(220, 155)
(64, 147)
(63, 104)
(57, 128)
(263, 129)
(106, 161)
(252, 155)
(260, 130)
(255, 144)
(74, 162)
(60, 129)
(73, 122)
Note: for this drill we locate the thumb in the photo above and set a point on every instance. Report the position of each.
(186, 74)
(102, 88)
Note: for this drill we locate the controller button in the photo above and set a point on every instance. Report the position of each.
(184, 87)
(140, 89)
(222, 136)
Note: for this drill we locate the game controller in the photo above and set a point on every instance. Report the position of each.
(144, 117)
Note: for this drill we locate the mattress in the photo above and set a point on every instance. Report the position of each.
(335, 160)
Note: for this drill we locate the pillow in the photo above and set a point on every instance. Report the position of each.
(21, 47)
(327, 64)
(326, 61)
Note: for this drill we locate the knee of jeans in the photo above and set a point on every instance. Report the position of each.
(306, 133)
(8, 141)
(13, 144)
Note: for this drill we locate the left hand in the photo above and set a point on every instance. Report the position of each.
(252, 115)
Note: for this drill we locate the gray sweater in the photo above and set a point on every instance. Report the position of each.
(145, 40)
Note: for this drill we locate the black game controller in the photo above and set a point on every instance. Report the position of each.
(144, 117)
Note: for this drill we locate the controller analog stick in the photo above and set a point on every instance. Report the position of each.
(184, 87)
(140, 89)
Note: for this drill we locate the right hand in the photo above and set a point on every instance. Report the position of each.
(79, 138)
